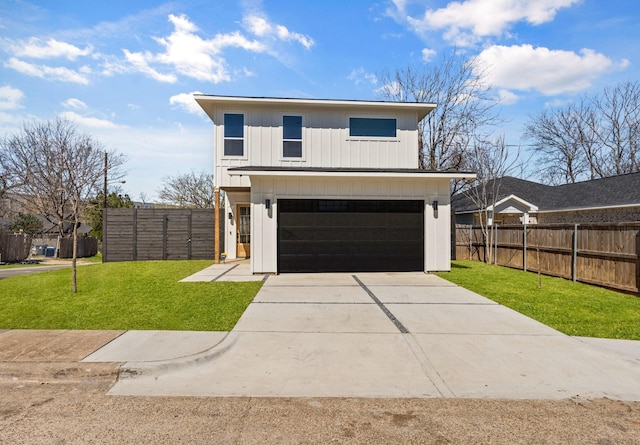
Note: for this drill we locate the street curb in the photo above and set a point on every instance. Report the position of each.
(134, 369)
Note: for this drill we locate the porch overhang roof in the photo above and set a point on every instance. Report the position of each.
(349, 172)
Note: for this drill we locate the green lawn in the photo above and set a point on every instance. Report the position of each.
(130, 295)
(573, 308)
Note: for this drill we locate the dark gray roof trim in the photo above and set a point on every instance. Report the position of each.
(312, 99)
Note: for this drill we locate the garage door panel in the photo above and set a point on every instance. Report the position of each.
(350, 235)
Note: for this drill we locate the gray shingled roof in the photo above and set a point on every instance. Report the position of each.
(613, 191)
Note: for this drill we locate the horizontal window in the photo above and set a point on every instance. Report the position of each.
(292, 136)
(372, 127)
(233, 134)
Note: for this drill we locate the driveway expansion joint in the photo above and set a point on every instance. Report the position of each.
(381, 305)
(225, 272)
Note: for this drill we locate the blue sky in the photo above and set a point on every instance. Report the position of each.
(125, 71)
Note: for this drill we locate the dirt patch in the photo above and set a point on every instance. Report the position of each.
(78, 411)
(51, 346)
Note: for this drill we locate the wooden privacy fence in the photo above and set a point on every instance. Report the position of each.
(158, 234)
(602, 254)
(14, 248)
(87, 247)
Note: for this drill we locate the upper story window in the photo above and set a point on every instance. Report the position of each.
(372, 127)
(233, 134)
(291, 136)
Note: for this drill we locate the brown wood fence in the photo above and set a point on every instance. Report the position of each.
(14, 248)
(158, 234)
(606, 255)
(87, 247)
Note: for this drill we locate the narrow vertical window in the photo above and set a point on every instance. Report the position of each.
(292, 136)
(233, 134)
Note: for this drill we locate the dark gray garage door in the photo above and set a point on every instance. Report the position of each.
(350, 235)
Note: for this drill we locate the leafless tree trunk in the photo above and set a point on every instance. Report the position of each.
(465, 107)
(491, 161)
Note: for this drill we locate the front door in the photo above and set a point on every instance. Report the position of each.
(243, 219)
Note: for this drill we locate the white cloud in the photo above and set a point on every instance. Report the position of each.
(390, 90)
(551, 72)
(507, 97)
(557, 103)
(140, 62)
(37, 49)
(467, 22)
(89, 122)
(262, 28)
(74, 103)
(359, 75)
(427, 54)
(188, 54)
(10, 98)
(48, 72)
(186, 102)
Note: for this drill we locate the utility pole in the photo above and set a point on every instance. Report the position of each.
(104, 191)
(216, 226)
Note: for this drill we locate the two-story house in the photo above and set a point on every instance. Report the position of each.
(328, 185)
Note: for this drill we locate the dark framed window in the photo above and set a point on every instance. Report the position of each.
(292, 136)
(233, 134)
(372, 127)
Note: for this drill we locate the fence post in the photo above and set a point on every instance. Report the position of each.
(574, 267)
(189, 229)
(471, 242)
(524, 247)
(165, 224)
(495, 245)
(135, 234)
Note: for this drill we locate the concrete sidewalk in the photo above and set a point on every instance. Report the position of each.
(386, 335)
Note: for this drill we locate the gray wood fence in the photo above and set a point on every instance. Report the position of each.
(14, 248)
(158, 234)
(606, 255)
(87, 247)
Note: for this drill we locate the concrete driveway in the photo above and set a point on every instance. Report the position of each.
(386, 335)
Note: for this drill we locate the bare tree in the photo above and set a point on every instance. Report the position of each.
(560, 141)
(492, 161)
(465, 107)
(596, 137)
(56, 170)
(189, 190)
(618, 108)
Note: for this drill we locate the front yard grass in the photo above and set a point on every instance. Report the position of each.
(122, 296)
(572, 308)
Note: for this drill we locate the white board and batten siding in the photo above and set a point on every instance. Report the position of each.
(325, 141)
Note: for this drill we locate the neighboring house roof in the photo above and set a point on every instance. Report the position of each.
(614, 191)
(516, 200)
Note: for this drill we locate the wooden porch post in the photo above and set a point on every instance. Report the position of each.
(216, 227)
